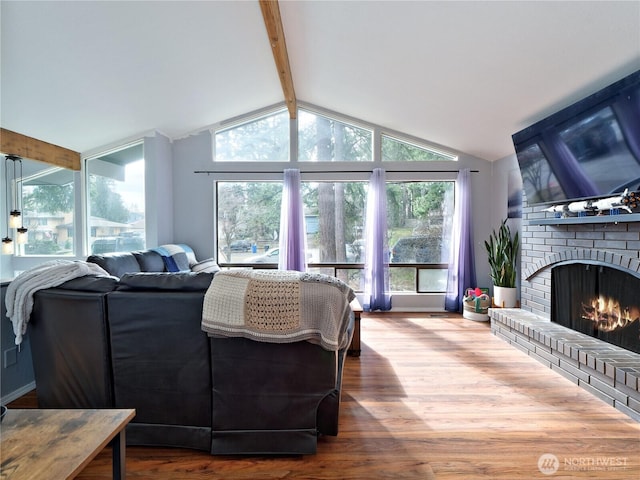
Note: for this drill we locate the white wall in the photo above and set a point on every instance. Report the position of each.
(158, 161)
(499, 186)
(193, 194)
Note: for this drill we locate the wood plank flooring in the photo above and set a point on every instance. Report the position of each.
(434, 397)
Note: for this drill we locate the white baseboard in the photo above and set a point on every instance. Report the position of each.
(10, 397)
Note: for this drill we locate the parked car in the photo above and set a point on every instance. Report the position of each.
(271, 256)
(240, 246)
(117, 244)
(417, 249)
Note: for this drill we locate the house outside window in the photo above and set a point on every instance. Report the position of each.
(48, 210)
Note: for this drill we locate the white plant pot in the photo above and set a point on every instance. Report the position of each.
(504, 297)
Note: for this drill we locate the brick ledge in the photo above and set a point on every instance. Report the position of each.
(607, 371)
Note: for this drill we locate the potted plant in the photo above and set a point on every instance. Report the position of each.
(502, 249)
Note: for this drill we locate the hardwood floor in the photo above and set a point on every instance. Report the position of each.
(434, 397)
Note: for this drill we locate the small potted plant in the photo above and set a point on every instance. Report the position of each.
(502, 249)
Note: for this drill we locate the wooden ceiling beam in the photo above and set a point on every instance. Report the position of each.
(12, 143)
(273, 22)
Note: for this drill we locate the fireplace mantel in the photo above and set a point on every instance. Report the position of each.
(620, 218)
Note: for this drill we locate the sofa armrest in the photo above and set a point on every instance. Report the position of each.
(90, 283)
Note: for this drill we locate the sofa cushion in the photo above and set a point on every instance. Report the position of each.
(181, 281)
(116, 263)
(149, 261)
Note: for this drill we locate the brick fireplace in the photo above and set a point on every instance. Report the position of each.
(608, 371)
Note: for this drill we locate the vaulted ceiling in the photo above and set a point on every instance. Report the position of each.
(464, 75)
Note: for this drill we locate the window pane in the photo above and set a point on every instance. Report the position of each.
(402, 279)
(48, 203)
(248, 221)
(263, 140)
(335, 221)
(420, 215)
(394, 150)
(116, 201)
(322, 139)
(432, 280)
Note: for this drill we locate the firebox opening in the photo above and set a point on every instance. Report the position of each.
(599, 301)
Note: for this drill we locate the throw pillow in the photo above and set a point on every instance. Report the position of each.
(209, 265)
(175, 257)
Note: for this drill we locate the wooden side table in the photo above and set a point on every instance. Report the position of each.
(354, 348)
(58, 444)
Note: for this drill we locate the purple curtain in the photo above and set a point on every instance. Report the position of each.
(293, 239)
(462, 271)
(376, 264)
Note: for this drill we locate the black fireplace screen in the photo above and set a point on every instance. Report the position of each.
(600, 301)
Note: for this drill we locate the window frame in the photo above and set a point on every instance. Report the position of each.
(21, 249)
(396, 171)
(86, 200)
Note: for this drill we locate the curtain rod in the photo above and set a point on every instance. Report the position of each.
(209, 172)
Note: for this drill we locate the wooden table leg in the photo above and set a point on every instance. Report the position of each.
(354, 348)
(119, 456)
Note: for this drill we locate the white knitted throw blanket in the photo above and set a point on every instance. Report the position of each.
(278, 307)
(19, 296)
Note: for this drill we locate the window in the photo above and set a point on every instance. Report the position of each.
(248, 220)
(395, 150)
(48, 202)
(322, 139)
(248, 198)
(420, 219)
(265, 139)
(116, 205)
(419, 229)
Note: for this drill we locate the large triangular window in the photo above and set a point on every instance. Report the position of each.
(396, 150)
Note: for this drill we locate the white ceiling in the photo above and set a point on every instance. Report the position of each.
(464, 75)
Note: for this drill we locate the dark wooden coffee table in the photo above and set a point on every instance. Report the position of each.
(58, 444)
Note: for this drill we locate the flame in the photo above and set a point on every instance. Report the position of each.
(608, 314)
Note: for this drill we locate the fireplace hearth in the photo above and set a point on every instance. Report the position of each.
(609, 372)
(599, 301)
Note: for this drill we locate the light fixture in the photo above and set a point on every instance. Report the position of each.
(22, 236)
(7, 243)
(7, 246)
(15, 218)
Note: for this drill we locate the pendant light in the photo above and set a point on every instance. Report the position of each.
(7, 243)
(16, 219)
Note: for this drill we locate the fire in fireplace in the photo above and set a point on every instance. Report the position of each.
(608, 315)
(597, 300)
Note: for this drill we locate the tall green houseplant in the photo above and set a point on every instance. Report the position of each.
(502, 249)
